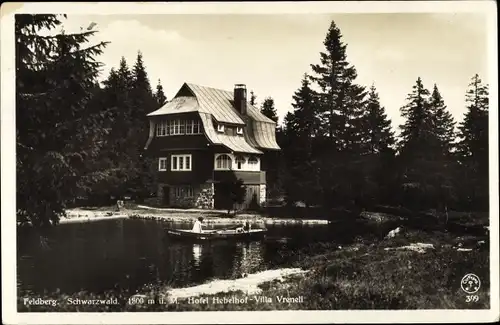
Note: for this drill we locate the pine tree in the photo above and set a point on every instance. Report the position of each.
(444, 125)
(144, 102)
(341, 99)
(342, 132)
(473, 131)
(380, 135)
(143, 99)
(427, 174)
(300, 130)
(417, 132)
(269, 110)
(473, 146)
(115, 167)
(160, 97)
(57, 133)
(253, 98)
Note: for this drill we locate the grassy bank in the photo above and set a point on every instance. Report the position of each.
(367, 276)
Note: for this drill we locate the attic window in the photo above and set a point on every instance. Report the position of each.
(239, 130)
(220, 128)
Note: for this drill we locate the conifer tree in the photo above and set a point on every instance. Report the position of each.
(269, 110)
(253, 98)
(444, 124)
(427, 174)
(473, 131)
(160, 97)
(342, 131)
(144, 102)
(380, 135)
(143, 99)
(340, 98)
(417, 132)
(57, 133)
(300, 129)
(473, 146)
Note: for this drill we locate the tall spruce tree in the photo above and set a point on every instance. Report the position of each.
(144, 102)
(426, 172)
(269, 110)
(417, 132)
(160, 97)
(473, 146)
(444, 125)
(143, 98)
(380, 135)
(253, 98)
(340, 98)
(342, 116)
(473, 131)
(115, 167)
(57, 134)
(300, 131)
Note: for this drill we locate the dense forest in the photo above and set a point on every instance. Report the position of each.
(78, 138)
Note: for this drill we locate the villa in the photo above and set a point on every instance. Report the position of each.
(204, 136)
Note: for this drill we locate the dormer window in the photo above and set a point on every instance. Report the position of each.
(239, 130)
(220, 128)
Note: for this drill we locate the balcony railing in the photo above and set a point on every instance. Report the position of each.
(248, 177)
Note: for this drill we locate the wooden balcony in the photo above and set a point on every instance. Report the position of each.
(248, 177)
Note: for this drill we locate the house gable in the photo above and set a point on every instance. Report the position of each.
(216, 104)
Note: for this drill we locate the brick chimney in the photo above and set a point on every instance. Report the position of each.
(240, 98)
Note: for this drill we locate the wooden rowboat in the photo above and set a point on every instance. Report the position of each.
(222, 234)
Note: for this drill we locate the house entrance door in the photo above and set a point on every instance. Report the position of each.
(166, 196)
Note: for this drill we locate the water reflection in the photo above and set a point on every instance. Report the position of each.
(129, 254)
(197, 254)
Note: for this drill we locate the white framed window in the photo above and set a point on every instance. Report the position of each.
(193, 127)
(180, 163)
(220, 128)
(183, 192)
(189, 127)
(253, 163)
(239, 130)
(182, 127)
(170, 127)
(161, 129)
(196, 127)
(223, 162)
(162, 164)
(240, 162)
(178, 127)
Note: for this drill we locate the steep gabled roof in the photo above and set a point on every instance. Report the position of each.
(219, 104)
(233, 143)
(181, 104)
(214, 101)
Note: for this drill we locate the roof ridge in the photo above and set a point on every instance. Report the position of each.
(198, 85)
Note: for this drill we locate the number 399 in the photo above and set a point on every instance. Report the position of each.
(472, 298)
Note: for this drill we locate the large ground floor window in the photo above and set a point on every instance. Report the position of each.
(183, 191)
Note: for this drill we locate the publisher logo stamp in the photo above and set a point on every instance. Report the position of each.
(470, 283)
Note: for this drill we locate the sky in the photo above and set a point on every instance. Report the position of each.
(270, 53)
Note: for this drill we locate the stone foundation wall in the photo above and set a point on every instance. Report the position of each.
(205, 196)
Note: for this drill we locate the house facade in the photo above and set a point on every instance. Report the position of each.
(204, 136)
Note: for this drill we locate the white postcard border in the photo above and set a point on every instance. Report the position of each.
(9, 303)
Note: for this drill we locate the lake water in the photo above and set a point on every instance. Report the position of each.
(128, 254)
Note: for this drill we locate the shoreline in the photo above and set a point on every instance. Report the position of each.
(182, 216)
(248, 285)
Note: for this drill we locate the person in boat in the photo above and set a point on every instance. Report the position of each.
(198, 225)
(244, 228)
